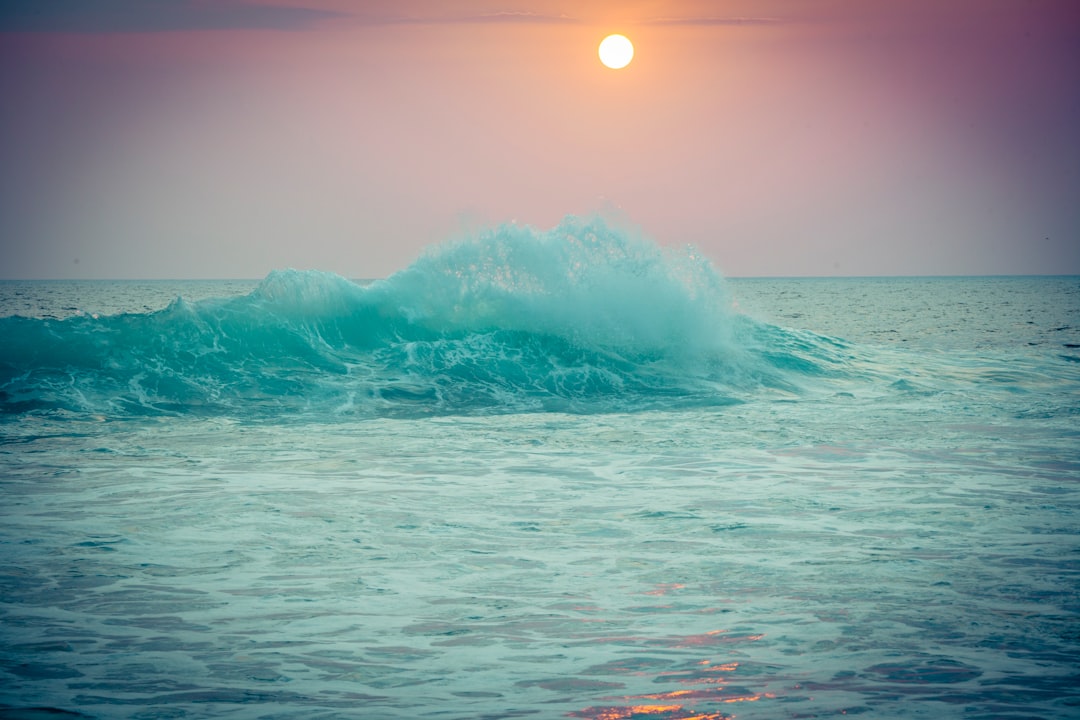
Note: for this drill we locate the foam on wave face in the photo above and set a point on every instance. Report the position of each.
(583, 280)
(580, 318)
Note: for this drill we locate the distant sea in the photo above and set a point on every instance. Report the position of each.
(567, 474)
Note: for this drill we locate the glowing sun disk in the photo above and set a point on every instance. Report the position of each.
(616, 51)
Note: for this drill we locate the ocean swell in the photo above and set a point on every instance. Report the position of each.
(582, 318)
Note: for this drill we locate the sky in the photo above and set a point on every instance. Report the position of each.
(229, 138)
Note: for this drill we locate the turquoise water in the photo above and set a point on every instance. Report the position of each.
(564, 474)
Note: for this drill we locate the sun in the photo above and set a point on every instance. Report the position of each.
(616, 51)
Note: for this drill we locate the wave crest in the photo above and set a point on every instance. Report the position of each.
(581, 318)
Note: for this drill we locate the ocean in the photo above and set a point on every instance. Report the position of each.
(562, 474)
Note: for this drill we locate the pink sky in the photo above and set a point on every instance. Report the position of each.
(193, 139)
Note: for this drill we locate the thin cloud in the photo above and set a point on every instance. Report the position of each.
(135, 16)
(523, 16)
(502, 16)
(714, 21)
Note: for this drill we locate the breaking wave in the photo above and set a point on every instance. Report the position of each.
(581, 318)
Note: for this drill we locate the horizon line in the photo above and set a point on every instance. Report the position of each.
(723, 275)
